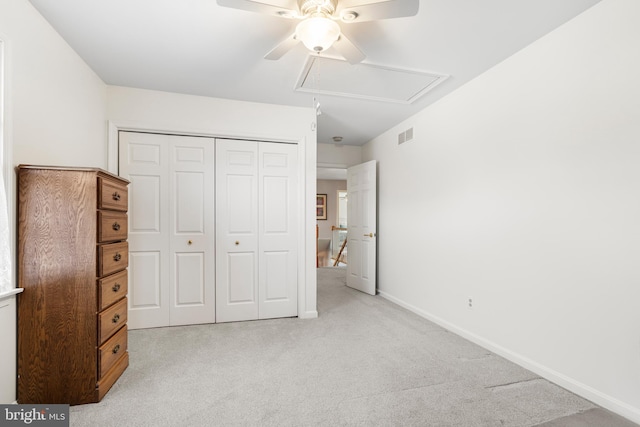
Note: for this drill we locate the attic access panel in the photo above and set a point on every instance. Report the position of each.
(365, 81)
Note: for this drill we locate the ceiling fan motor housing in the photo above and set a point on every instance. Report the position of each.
(310, 7)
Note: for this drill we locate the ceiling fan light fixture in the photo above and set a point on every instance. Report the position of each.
(318, 33)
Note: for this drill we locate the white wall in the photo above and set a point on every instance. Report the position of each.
(58, 103)
(332, 155)
(522, 190)
(55, 114)
(138, 109)
(8, 353)
(330, 187)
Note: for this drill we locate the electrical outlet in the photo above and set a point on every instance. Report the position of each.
(470, 303)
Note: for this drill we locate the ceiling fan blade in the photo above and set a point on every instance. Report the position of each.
(375, 10)
(348, 50)
(285, 46)
(284, 8)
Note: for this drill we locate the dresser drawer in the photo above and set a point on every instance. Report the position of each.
(112, 257)
(111, 289)
(111, 319)
(112, 226)
(112, 195)
(112, 350)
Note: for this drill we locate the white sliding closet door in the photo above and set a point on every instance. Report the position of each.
(171, 228)
(256, 223)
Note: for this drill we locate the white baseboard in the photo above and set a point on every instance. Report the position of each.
(621, 408)
(312, 314)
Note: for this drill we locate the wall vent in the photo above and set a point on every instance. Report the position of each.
(405, 136)
(409, 134)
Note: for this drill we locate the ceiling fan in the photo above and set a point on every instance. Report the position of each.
(318, 28)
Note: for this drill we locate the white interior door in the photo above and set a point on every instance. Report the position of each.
(191, 245)
(256, 230)
(361, 227)
(278, 225)
(171, 281)
(143, 161)
(236, 230)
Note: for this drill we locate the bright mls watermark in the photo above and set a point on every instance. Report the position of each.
(34, 415)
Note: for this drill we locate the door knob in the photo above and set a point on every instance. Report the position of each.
(369, 235)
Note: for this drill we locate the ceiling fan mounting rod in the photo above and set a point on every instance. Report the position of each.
(310, 7)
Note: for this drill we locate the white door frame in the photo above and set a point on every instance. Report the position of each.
(307, 308)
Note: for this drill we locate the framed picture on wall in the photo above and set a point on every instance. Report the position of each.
(321, 206)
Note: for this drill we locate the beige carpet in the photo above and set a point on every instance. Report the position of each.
(363, 362)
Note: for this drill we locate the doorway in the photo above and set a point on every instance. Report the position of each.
(331, 188)
(360, 223)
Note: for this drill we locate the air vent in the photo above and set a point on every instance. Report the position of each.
(405, 136)
(409, 134)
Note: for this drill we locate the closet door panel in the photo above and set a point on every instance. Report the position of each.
(145, 272)
(277, 194)
(171, 228)
(236, 230)
(275, 271)
(191, 189)
(241, 278)
(143, 161)
(189, 274)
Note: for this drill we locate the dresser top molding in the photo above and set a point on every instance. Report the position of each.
(72, 168)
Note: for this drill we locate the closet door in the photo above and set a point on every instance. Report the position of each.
(236, 230)
(171, 227)
(143, 161)
(256, 223)
(191, 230)
(277, 213)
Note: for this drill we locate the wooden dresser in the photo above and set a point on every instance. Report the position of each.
(72, 259)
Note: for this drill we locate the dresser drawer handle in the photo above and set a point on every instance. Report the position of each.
(116, 287)
(116, 196)
(117, 257)
(115, 226)
(116, 317)
(116, 349)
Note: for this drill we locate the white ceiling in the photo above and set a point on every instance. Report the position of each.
(197, 47)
